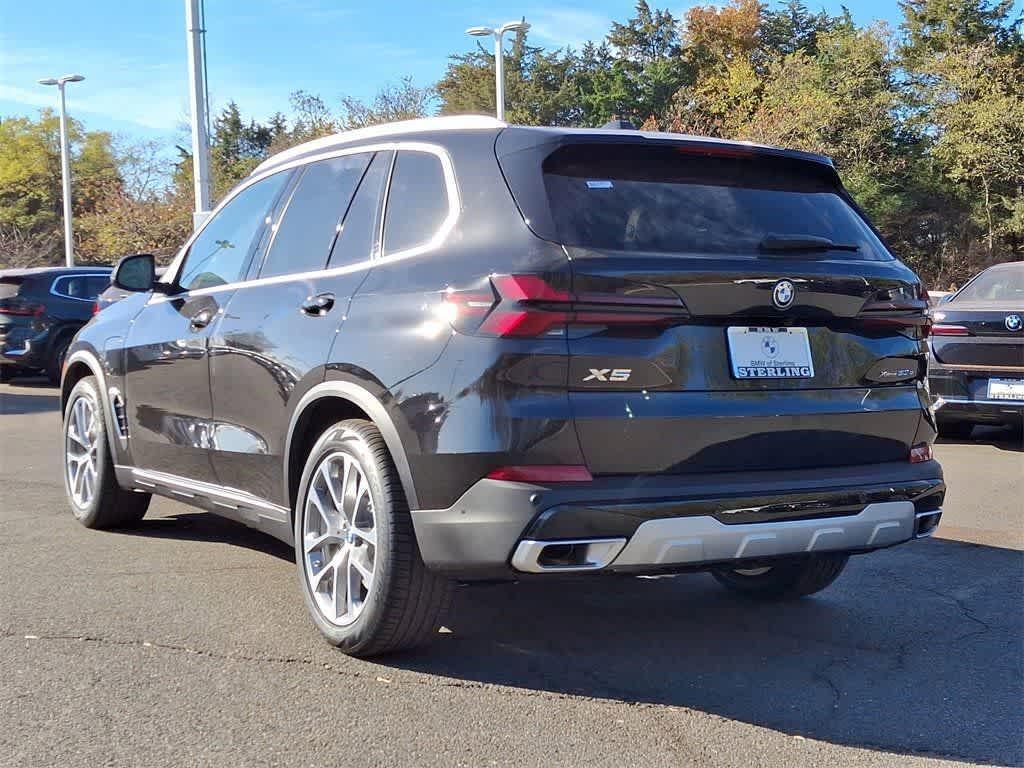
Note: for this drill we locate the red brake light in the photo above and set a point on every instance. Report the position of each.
(949, 330)
(920, 452)
(543, 473)
(95, 308)
(22, 309)
(530, 306)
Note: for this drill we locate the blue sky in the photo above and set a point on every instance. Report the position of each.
(134, 58)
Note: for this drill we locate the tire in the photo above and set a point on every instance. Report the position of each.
(956, 430)
(54, 368)
(6, 373)
(402, 605)
(787, 580)
(107, 505)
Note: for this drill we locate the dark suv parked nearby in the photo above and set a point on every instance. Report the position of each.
(977, 352)
(40, 312)
(456, 349)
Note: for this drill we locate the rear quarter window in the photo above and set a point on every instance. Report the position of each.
(81, 287)
(667, 199)
(417, 201)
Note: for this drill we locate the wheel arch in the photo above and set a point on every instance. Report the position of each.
(77, 366)
(330, 402)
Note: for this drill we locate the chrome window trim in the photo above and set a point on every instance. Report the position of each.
(55, 292)
(454, 211)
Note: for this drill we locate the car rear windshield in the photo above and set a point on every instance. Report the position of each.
(1005, 284)
(9, 287)
(674, 200)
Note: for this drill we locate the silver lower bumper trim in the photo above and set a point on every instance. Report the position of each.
(687, 540)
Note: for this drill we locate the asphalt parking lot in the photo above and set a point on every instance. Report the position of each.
(185, 642)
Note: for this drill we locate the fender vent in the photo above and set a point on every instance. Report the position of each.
(120, 416)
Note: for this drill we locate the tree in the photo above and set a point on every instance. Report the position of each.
(539, 85)
(236, 147)
(963, 63)
(404, 101)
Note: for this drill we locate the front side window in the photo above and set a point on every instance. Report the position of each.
(417, 201)
(313, 217)
(220, 252)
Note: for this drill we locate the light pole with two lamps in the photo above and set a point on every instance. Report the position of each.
(499, 64)
(65, 162)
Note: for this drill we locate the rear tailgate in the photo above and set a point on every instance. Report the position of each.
(790, 353)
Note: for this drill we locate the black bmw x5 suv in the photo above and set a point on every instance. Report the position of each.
(456, 349)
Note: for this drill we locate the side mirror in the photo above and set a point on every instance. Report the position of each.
(135, 273)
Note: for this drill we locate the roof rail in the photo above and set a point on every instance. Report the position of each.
(452, 123)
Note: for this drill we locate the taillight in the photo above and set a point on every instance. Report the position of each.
(941, 329)
(22, 309)
(920, 452)
(543, 473)
(530, 306)
(95, 308)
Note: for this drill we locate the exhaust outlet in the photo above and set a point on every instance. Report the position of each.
(925, 523)
(565, 556)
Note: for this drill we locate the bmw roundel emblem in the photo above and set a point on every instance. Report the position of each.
(1014, 323)
(783, 294)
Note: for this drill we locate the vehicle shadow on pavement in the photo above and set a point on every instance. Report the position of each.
(17, 404)
(916, 649)
(192, 525)
(1006, 438)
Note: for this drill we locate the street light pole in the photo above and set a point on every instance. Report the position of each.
(65, 162)
(197, 102)
(499, 58)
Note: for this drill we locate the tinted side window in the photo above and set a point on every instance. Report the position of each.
(220, 252)
(358, 239)
(313, 217)
(417, 201)
(96, 285)
(85, 287)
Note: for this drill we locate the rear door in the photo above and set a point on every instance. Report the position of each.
(747, 317)
(271, 344)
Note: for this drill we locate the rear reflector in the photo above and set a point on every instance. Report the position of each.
(949, 330)
(921, 452)
(543, 473)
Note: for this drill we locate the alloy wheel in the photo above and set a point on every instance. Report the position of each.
(339, 539)
(81, 447)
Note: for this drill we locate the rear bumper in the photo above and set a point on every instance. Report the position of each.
(24, 347)
(657, 523)
(961, 395)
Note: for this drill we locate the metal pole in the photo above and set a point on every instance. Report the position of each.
(197, 102)
(65, 173)
(499, 76)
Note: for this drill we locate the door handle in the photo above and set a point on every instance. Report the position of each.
(318, 305)
(201, 319)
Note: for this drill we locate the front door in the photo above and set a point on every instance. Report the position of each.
(167, 367)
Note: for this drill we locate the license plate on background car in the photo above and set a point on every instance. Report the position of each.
(770, 353)
(1006, 389)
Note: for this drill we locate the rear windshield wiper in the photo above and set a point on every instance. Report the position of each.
(786, 243)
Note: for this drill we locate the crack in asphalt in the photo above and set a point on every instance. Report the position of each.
(320, 666)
